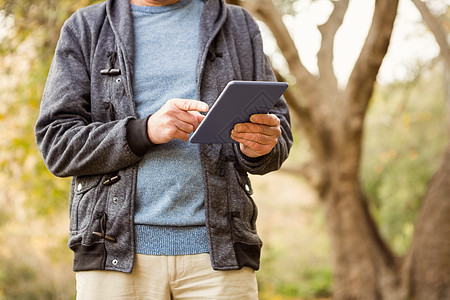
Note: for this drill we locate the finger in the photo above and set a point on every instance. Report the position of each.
(184, 127)
(187, 117)
(189, 105)
(181, 136)
(179, 131)
(252, 148)
(265, 119)
(198, 116)
(255, 137)
(257, 128)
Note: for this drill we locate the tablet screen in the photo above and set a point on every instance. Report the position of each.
(237, 102)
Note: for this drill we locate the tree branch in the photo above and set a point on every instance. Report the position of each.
(315, 134)
(328, 31)
(361, 82)
(309, 171)
(293, 97)
(316, 122)
(266, 11)
(436, 28)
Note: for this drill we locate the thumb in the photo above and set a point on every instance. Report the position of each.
(198, 115)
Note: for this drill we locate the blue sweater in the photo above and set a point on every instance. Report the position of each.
(169, 209)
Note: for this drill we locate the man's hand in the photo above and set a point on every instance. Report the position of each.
(258, 137)
(176, 119)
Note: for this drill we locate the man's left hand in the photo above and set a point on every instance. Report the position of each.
(259, 136)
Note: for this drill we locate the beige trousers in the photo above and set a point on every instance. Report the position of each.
(168, 277)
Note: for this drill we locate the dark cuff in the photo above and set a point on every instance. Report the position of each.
(251, 161)
(137, 136)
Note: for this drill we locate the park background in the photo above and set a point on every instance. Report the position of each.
(403, 146)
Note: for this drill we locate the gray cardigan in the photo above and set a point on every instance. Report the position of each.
(88, 128)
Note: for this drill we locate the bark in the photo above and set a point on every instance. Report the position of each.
(430, 251)
(429, 254)
(363, 266)
(447, 95)
(440, 35)
(437, 30)
(325, 55)
(362, 79)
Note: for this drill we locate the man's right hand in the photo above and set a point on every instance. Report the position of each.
(176, 119)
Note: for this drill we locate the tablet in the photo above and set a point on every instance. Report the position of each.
(237, 102)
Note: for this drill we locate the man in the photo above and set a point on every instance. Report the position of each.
(153, 216)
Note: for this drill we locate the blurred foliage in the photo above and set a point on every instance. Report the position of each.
(297, 278)
(26, 57)
(23, 276)
(295, 257)
(286, 7)
(42, 17)
(35, 262)
(405, 136)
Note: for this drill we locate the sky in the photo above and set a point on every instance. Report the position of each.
(411, 41)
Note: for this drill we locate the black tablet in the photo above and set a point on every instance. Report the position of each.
(237, 102)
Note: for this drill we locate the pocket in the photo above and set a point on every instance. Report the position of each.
(109, 110)
(83, 202)
(243, 208)
(104, 112)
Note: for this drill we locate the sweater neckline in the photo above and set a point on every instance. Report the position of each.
(159, 9)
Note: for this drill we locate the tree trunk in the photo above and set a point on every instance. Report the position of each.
(430, 251)
(332, 121)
